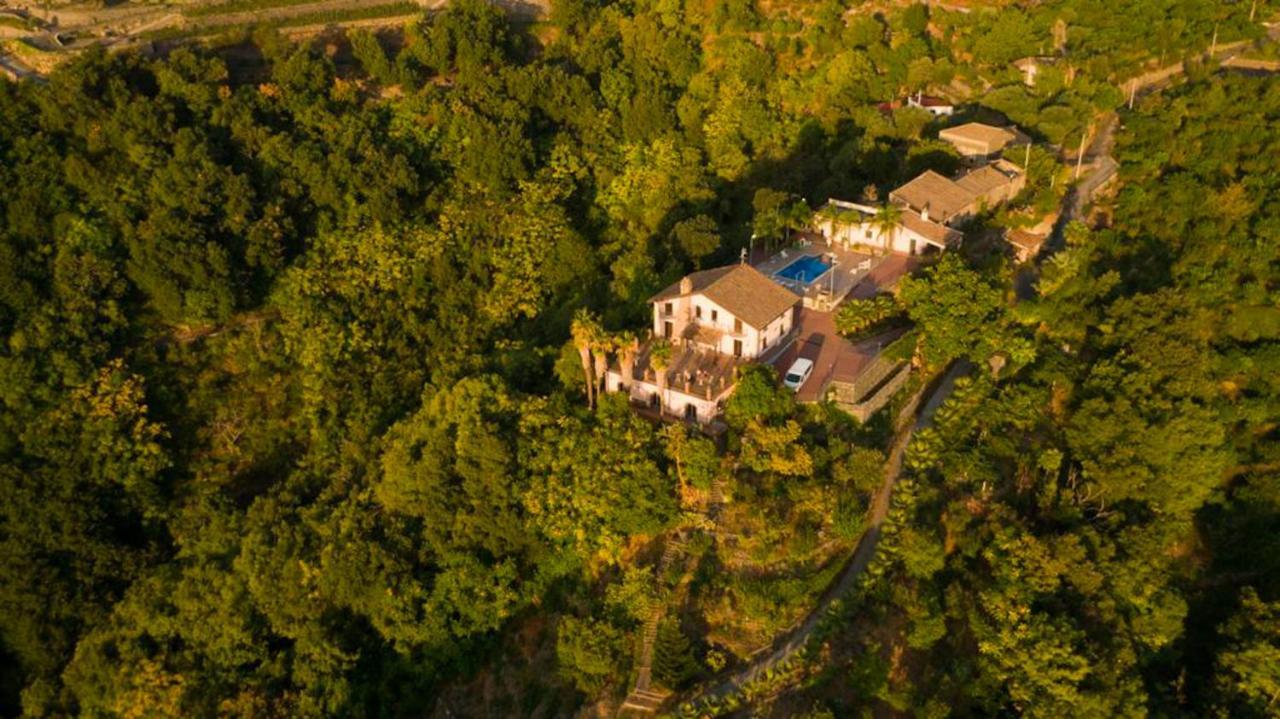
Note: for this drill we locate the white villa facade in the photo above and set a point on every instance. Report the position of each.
(850, 224)
(716, 321)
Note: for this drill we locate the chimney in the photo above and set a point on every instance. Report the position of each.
(924, 214)
(686, 285)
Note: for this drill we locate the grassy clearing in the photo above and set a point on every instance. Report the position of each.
(42, 61)
(337, 16)
(16, 22)
(312, 18)
(235, 6)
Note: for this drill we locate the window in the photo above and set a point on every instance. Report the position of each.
(667, 309)
(697, 311)
(737, 325)
(737, 348)
(868, 234)
(715, 316)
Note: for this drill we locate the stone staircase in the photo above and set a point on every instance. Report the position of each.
(644, 700)
(642, 703)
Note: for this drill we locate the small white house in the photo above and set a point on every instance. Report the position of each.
(936, 106)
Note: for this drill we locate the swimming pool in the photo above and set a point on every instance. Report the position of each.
(804, 270)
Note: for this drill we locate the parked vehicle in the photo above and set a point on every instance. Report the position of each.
(798, 374)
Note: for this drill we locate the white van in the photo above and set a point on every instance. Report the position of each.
(799, 372)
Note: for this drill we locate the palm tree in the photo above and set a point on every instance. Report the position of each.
(626, 344)
(797, 216)
(585, 328)
(886, 221)
(659, 357)
(601, 348)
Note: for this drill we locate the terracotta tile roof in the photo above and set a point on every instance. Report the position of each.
(930, 230)
(932, 101)
(1029, 241)
(1009, 168)
(943, 198)
(741, 289)
(984, 180)
(993, 138)
(700, 281)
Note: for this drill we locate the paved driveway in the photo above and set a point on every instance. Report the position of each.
(833, 356)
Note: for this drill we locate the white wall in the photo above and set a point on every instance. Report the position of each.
(773, 333)
(684, 312)
(675, 400)
(679, 317)
(866, 234)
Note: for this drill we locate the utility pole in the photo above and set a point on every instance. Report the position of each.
(1253, 9)
(1133, 91)
(1080, 157)
(1213, 46)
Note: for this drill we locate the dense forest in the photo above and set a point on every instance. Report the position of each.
(293, 419)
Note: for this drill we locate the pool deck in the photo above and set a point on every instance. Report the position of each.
(825, 293)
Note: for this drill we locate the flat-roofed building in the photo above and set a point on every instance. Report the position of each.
(978, 142)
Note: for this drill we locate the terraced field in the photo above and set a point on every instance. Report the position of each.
(55, 32)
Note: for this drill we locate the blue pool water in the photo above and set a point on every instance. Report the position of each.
(804, 270)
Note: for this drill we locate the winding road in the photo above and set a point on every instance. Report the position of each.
(1102, 167)
(909, 422)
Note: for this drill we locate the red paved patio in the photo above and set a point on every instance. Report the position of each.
(834, 357)
(885, 275)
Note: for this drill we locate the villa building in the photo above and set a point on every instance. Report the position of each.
(954, 202)
(716, 320)
(849, 224)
